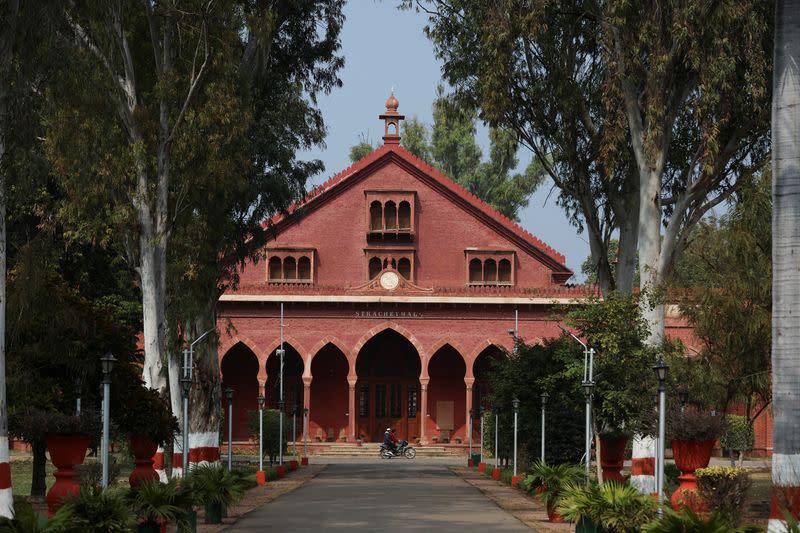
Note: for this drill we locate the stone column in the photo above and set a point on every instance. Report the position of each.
(306, 404)
(352, 415)
(468, 383)
(423, 410)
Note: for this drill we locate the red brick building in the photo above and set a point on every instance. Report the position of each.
(398, 287)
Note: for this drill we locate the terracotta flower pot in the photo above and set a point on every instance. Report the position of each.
(66, 451)
(515, 481)
(261, 478)
(552, 514)
(470, 462)
(689, 456)
(143, 451)
(294, 465)
(481, 467)
(496, 473)
(612, 457)
(304, 461)
(281, 470)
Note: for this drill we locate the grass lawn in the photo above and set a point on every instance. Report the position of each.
(22, 470)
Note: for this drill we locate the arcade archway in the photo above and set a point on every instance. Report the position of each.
(328, 410)
(239, 369)
(292, 381)
(388, 368)
(480, 369)
(446, 400)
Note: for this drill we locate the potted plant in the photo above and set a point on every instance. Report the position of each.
(688, 520)
(692, 433)
(550, 481)
(159, 504)
(725, 490)
(214, 488)
(609, 507)
(94, 511)
(68, 438)
(147, 421)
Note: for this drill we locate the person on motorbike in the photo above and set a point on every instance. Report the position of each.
(395, 440)
(389, 440)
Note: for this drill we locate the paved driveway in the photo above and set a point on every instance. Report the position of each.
(385, 496)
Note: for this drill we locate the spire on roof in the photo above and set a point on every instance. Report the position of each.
(391, 131)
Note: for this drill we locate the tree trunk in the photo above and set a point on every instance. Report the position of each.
(206, 396)
(650, 253)
(152, 314)
(8, 21)
(38, 467)
(785, 253)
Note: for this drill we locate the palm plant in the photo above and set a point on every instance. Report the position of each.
(158, 503)
(25, 520)
(214, 488)
(553, 479)
(687, 521)
(615, 507)
(94, 511)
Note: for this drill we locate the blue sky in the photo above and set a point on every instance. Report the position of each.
(384, 48)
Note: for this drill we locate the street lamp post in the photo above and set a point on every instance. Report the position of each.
(496, 410)
(186, 386)
(480, 413)
(294, 431)
(229, 396)
(280, 353)
(515, 403)
(544, 397)
(260, 477)
(661, 369)
(107, 365)
(471, 415)
(305, 432)
(588, 391)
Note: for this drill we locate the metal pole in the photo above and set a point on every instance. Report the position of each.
(187, 361)
(106, 425)
(588, 438)
(78, 405)
(260, 437)
(515, 442)
(662, 406)
(305, 432)
(481, 448)
(470, 434)
(294, 432)
(230, 431)
(543, 413)
(516, 322)
(280, 414)
(496, 422)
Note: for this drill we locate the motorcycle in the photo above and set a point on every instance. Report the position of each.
(403, 450)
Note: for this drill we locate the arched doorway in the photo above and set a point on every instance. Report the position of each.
(480, 370)
(388, 368)
(328, 410)
(239, 368)
(446, 400)
(292, 381)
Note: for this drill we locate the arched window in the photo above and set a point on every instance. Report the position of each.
(475, 271)
(289, 268)
(504, 271)
(274, 270)
(390, 215)
(489, 271)
(404, 268)
(304, 268)
(374, 267)
(375, 216)
(404, 215)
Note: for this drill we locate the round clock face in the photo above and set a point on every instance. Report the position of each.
(389, 280)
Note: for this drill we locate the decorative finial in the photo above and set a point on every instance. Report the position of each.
(391, 118)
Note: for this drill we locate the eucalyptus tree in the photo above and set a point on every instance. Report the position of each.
(785, 250)
(645, 115)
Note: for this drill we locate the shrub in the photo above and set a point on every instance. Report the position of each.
(554, 478)
(145, 412)
(693, 425)
(617, 508)
(271, 431)
(213, 484)
(25, 520)
(505, 476)
(94, 511)
(271, 473)
(489, 469)
(157, 503)
(687, 521)
(725, 490)
(91, 474)
(738, 435)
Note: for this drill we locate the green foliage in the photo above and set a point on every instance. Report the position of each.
(687, 521)
(738, 435)
(623, 375)
(360, 151)
(617, 508)
(450, 146)
(213, 484)
(26, 520)
(506, 475)
(526, 374)
(693, 425)
(728, 265)
(271, 431)
(94, 511)
(725, 490)
(156, 503)
(554, 479)
(143, 411)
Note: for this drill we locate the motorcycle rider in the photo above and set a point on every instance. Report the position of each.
(389, 440)
(395, 440)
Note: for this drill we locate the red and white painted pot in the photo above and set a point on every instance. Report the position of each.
(496, 474)
(481, 467)
(66, 451)
(281, 470)
(612, 457)
(689, 456)
(143, 450)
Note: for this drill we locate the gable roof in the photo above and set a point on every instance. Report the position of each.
(388, 153)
